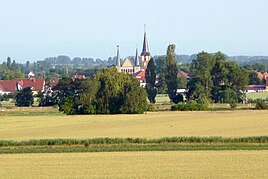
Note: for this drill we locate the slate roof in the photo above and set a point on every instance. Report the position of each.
(145, 49)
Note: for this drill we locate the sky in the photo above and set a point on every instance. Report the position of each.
(33, 30)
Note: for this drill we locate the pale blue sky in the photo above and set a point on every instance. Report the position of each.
(35, 29)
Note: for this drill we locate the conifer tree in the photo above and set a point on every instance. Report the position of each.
(150, 77)
(171, 74)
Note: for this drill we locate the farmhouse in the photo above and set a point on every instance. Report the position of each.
(259, 88)
(10, 86)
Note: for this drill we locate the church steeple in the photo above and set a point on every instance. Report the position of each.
(145, 54)
(118, 60)
(145, 48)
(137, 60)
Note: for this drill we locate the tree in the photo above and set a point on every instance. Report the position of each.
(109, 92)
(24, 97)
(150, 77)
(171, 73)
(182, 82)
(160, 71)
(219, 74)
(253, 78)
(14, 66)
(8, 63)
(134, 98)
(201, 83)
(28, 66)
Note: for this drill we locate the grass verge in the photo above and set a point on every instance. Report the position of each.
(134, 144)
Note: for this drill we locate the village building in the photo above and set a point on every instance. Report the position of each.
(258, 88)
(138, 67)
(11, 86)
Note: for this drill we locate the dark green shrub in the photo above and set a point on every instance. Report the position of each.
(260, 104)
(233, 105)
(188, 107)
(151, 107)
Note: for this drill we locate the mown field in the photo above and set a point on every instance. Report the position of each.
(150, 125)
(183, 164)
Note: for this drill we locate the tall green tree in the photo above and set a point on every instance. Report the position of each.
(8, 63)
(182, 82)
(150, 77)
(219, 73)
(201, 83)
(25, 97)
(28, 66)
(160, 71)
(171, 73)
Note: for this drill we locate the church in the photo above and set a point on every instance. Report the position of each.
(138, 67)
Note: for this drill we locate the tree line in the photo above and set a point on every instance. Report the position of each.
(212, 79)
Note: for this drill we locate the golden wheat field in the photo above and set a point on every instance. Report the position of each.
(150, 125)
(186, 164)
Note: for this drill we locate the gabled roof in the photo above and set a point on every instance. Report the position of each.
(260, 75)
(183, 74)
(54, 83)
(127, 63)
(11, 85)
(1, 88)
(8, 85)
(35, 84)
(140, 75)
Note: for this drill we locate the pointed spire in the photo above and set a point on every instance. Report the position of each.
(145, 49)
(137, 61)
(118, 57)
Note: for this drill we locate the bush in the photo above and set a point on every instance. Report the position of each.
(189, 107)
(151, 107)
(233, 105)
(24, 97)
(261, 104)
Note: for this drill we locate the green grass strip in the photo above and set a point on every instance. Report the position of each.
(135, 147)
(87, 142)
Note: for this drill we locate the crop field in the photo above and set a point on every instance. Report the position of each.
(183, 164)
(139, 160)
(150, 125)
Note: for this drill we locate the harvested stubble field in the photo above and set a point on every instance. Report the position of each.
(150, 125)
(183, 164)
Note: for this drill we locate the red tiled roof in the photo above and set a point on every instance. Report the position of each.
(53, 84)
(260, 75)
(10, 85)
(35, 84)
(140, 75)
(183, 74)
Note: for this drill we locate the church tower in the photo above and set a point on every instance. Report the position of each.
(137, 67)
(118, 64)
(145, 54)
